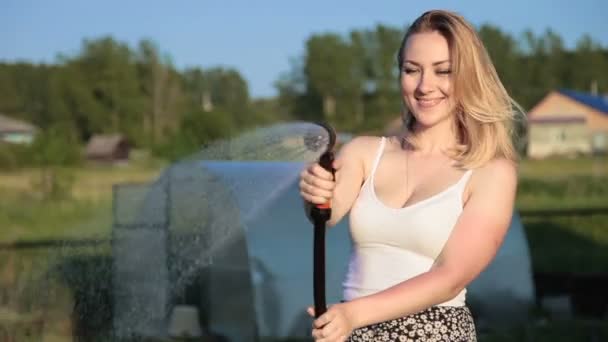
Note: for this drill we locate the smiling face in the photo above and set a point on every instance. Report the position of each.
(426, 78)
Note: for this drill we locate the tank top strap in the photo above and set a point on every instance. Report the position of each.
(378, 156)
(464, 180)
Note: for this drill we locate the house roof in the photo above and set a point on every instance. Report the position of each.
(8, 124)
(104, 145)
(596, 102)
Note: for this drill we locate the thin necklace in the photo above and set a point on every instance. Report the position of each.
(407, 174)
(404, 145)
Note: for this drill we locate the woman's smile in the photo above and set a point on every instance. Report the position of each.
(428, 103)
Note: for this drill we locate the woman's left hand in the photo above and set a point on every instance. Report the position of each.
(335, 325)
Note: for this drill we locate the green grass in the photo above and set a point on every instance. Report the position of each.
(24, 217)
(565, 243)
(568, 244)
(559, 168)
(567, 191)
(82, 211)
(563, 183)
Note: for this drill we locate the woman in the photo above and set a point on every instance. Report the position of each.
(430, 208)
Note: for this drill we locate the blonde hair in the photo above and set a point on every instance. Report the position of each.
(485, 113)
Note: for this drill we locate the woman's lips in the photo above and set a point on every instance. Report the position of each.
(428, 103)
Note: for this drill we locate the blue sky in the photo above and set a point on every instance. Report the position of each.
(258, 38)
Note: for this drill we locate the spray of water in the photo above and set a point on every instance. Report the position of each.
(294, 141)
(192, 220)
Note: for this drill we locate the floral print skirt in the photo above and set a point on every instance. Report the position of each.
(438, 323)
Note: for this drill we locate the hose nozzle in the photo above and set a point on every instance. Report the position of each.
(316, 139)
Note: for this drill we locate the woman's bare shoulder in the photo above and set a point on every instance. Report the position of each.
(361, 151)
(361, 145)
(498, 172)
(499, 167)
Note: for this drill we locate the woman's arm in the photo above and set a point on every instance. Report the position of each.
(472, 245)
(317, 186)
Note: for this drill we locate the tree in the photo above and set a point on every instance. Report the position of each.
(219, 88)
(504, 52)
(295, 97)
(53, 149)
(163, 92)
(331, 71)
(109, 71)
(591, 66)
(377, 50)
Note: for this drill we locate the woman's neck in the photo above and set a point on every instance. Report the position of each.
(436, 139)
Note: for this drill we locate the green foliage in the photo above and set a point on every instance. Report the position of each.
(350, 81)
(58, 145)
(503, 50)
(108, 87)
(196, 129)
(13, 156)
(219, 89)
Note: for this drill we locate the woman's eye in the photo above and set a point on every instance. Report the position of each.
(409, 70)
(444, 72)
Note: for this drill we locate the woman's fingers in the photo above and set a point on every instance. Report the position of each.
(330, 327)
(316, 184)
(322, 321)
(311, 311)
(320, 172)
(319, 182)
(329, 333)
(314, 191)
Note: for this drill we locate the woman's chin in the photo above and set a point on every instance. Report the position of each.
(426, 120)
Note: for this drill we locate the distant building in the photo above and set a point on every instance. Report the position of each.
(16, 131)
(568, 122)
(108, 148)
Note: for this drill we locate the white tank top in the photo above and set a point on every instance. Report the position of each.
(391, 245)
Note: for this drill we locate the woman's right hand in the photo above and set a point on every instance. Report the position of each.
(317, 184)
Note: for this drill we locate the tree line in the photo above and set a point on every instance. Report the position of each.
(353, 79)
(349, 80)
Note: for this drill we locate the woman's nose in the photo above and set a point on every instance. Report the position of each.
(425, 83)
